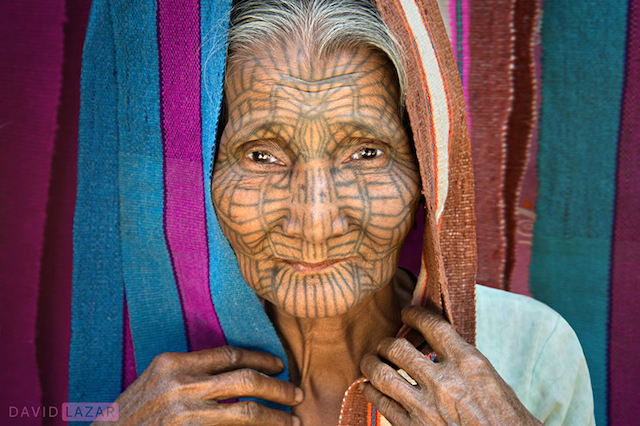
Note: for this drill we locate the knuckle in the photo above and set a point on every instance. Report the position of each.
(249, 411)
(398, 347)
(470, 361)
(382, 373)
(165, 362)
(231, 355)
(246, 379)
(439, 326)
(385, 405)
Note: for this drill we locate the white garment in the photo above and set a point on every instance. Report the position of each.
(537, 353)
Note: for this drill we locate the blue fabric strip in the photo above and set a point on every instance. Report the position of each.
(154, 305)
(241, 315)
(95, 357)
(583, 66)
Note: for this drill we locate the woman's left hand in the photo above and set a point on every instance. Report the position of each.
(461, 387)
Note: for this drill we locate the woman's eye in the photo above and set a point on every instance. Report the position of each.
(263, 158)
(367, 154)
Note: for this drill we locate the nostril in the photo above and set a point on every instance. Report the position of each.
(340, 225)
(291, 226)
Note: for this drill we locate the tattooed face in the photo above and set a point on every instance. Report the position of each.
(315, 183)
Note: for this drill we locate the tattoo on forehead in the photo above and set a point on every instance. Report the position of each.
(301, 93)
(313, 211)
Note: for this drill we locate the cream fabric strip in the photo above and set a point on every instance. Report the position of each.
(439, 102)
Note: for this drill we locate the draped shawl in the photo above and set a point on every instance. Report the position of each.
(152, 270)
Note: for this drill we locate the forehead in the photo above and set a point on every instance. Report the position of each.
(286, 84)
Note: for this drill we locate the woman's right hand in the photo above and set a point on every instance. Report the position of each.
(184, 388)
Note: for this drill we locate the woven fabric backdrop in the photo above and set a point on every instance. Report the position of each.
(554, 101)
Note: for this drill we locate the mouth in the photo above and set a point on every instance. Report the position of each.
(311, 268)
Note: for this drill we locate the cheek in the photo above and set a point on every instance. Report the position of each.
(393, 198)
(238, 209)
(249, 207)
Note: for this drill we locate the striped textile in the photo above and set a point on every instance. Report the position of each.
(496, 57)
(148, 136)
(571, 173)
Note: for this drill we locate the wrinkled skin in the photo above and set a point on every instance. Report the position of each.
(315, 183)
(460, 388)
(316, 186)
(183, 388)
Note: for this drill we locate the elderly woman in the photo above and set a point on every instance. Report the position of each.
(316, 185)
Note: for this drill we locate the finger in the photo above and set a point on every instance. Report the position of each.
(388, 381)
(440, 335)
(247, 383)
(390, 409)
(406, 356)
(219, 360)
(248, 413)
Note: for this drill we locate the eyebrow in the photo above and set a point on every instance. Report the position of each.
(368, 127)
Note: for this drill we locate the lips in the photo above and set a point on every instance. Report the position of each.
(310, 268)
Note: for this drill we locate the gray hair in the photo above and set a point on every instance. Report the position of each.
(323, 25)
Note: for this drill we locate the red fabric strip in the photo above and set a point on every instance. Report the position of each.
(520, 132)
(490, 96)
(528, 196)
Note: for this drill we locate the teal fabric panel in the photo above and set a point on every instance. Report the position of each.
(582, 76)
(154, 305)
(95, 355)
(239, 311)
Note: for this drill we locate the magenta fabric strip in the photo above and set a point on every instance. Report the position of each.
(624, 343)
(185, 225)
(31, 48)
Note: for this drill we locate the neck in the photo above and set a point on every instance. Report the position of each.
(325, 353)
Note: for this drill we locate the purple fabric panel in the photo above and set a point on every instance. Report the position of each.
(624, 343)
(411, 254)
(31, 52)
(129, 374)
(185, 225)
(54, 304)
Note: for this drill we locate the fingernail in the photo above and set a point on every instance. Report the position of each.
(299, 395)
(296, 421)
(279, 363)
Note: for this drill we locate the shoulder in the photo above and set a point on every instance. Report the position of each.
(498, 310)
(537, 353)
(512, 331)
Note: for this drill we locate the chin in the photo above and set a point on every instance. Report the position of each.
(329, 293)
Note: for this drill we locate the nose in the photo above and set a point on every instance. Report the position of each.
(315, 211)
